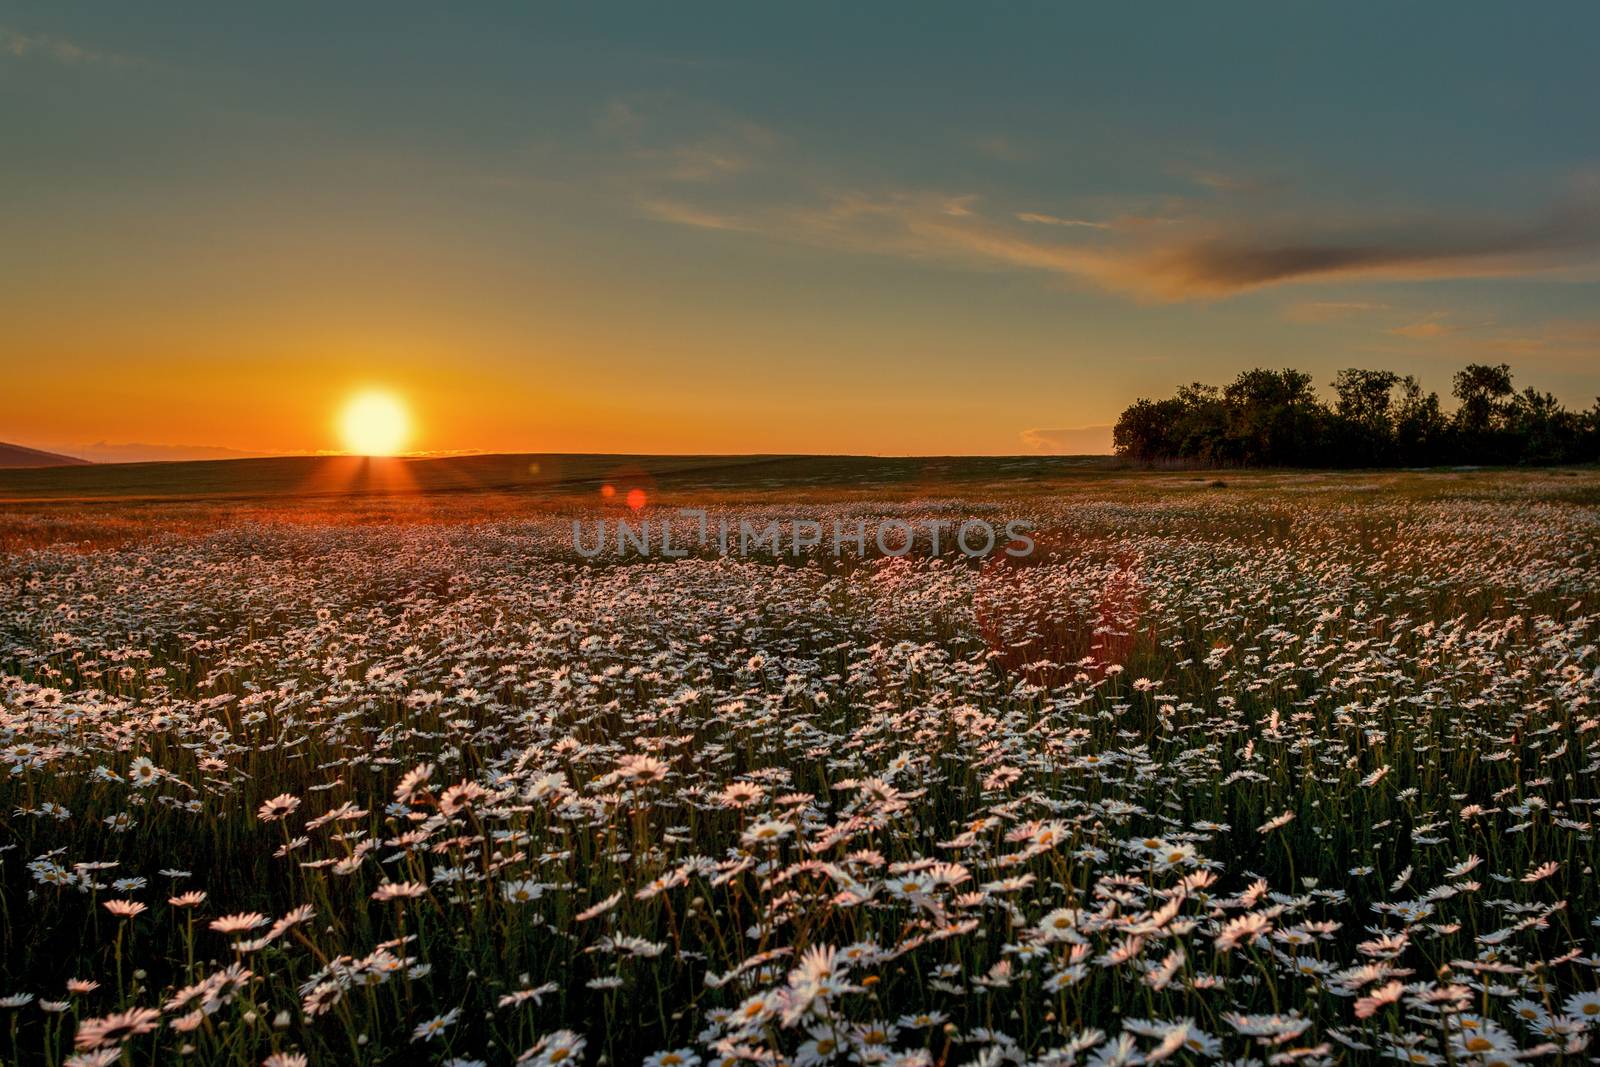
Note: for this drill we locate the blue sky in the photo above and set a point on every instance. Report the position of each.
(914, 228)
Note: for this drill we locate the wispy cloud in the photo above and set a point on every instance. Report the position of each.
(1073, 441)
(1041, 219)
(688, 215)
(701, 147)
(1225, 182)
(730, 150)
(1194, 259)
(1426, 328)
(715, 171)
(18, 45)
(1331, 310)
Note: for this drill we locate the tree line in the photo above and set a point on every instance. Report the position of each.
(1274, 418)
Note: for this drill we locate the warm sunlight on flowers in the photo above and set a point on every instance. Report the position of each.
(1293, 773)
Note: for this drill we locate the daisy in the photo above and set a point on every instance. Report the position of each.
(675, 1058)
(1584, 1006)
(279, 806)
(239, 923)
(116, 1028)
(435, 1026)
(766, 832)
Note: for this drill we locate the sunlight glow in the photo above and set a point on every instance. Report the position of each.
(374, 424)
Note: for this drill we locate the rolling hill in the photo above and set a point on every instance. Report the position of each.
(13, 456)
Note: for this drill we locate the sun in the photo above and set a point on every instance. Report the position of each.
(374, 424)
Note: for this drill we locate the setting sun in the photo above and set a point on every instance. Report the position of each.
(374, 424)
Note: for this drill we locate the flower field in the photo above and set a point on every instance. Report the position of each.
(1276, 772)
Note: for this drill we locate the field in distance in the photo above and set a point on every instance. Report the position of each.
(311, 476)
(102, 504)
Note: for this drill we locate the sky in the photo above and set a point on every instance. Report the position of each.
(843, 228)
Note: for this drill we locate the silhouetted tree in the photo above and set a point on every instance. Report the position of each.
(1363, 429)
(1203, 423)
(1274, 418)
(1481, 419)
(1145, 430)
(1420, 428)
(1542, 429)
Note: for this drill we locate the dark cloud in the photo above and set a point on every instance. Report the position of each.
(1461, 248)
(1192, 255)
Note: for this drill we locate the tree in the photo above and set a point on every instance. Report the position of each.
(1363, 430)
(1478, 386)
(1589, 433)
(1481, 418)
(1144, 430)
(1365, 395)
(1275, 418)
(1202, 424)
(1543, 430)
(1419, 425)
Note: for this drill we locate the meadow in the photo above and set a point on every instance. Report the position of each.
(339, 764)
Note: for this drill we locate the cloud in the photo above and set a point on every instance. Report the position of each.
(1232, 262)
(960, 206)
(1426, 329)
(700, 167)
(1040, 219)
(704, 163)
(104, 452)
(1226, 183)
(669, 141)
(920, 226)
(1074, 441)
(1191, 259)
(20, 45)
(687, 215)
(1330, 310)
(731, 150)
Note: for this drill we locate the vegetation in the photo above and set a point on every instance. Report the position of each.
(1297, 770)
(1269, 418)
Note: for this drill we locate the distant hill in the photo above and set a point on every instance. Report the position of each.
(17, 456)
(107, 452)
